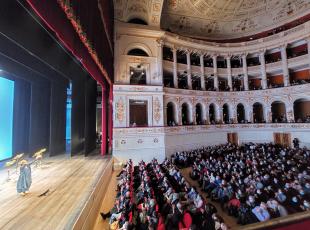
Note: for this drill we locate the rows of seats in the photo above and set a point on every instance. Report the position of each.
(156, 196)
(253, 182)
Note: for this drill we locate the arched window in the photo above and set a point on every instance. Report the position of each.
(171, 114)
(226, 114)
(212, 114)
(137, 21)
(199, 120)
(258, 113)
(240, 113)
(278, 111)
(302, 110)
(185, 114)
(137, 52)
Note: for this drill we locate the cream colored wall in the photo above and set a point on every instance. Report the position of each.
(160, 141)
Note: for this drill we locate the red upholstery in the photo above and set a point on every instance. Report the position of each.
(187, 222)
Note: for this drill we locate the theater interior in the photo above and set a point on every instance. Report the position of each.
(155, 114)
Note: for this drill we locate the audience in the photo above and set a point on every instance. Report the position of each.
(253, 182)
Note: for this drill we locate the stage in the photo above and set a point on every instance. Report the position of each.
(75, 185)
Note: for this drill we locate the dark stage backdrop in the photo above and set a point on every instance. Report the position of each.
(42, 70)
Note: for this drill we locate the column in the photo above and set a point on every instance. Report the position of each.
(104, 121)
(233, 114)
(194, 115)
(263, 69)
(308, 46)
(202, 70)
(175, 68)
(245, 73)
(290, 114)
(228, 61)
(189, 69)
(207, 115)
(216, 80)
(248, 113)
(179, 114)
(160, 44)
(286, 76)
(267, 114)
(219, 115)
(110, 119)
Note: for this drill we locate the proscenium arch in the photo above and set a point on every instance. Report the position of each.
(140, 46)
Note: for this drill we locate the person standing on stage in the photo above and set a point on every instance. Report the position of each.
(24, 180)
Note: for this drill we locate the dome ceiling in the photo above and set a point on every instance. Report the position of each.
(228, 19)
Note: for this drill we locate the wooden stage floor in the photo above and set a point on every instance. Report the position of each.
(70, 182)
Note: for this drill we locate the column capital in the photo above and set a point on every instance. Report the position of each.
(228, 56)
(244, 55)
(214, 56)
(160, 42)
(283, 46)
(262, 52)
(174, 48)
(187, 50)
(201, 53)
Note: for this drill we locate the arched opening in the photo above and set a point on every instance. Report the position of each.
(258, 113)
(171, 114)
(185, 114)
(137, 21)
(137, 76)
(226, 114)
(199, 120)
(278, 111)
(212, 114)
(240, 113)
(302, 110)
(137, 52)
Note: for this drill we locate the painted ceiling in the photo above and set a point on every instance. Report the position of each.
(213, 19)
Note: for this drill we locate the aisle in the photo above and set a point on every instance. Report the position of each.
(230, 221)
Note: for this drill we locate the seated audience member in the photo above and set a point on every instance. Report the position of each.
(261, 212)
(252, 180)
